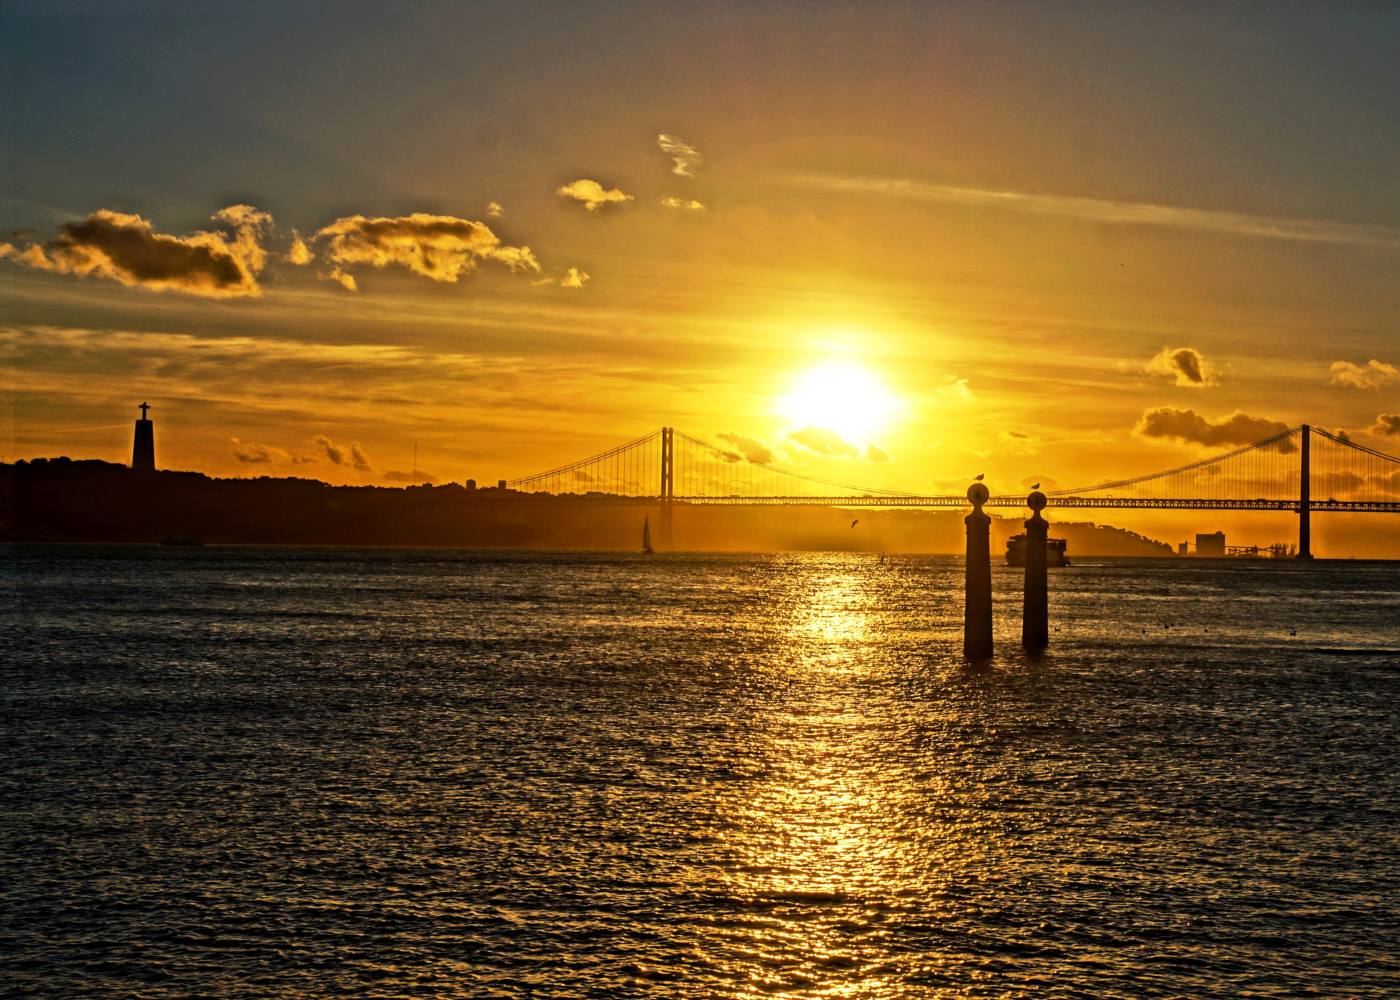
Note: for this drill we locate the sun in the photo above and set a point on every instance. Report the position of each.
(841, 396)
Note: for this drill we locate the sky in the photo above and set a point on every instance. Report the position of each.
(1064, 243)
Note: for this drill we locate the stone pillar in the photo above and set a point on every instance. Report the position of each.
(977, 610)
(1035, 614)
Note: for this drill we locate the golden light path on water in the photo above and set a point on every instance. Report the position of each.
(303, 772)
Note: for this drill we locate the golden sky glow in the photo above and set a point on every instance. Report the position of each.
(926, 248)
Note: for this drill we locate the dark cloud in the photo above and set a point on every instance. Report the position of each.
(441, 247)
(251, 453)
(127, 248)
(1387, 424)
(420, 476)
(823, 441)
(1185, 364)
(341, 454)
(749, 449)
(254, 453)
(1188, 425)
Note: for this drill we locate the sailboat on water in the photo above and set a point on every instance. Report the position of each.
(646, 537)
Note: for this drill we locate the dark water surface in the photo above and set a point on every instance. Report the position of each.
(308, 772)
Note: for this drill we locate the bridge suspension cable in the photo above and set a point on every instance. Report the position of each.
(1268, 475)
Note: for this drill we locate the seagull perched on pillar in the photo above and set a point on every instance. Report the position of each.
(1035, 486)
(979, 476)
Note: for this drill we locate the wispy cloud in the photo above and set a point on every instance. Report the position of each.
(1103, 210)
(684, 157)
(591, 194)
(1387, 424)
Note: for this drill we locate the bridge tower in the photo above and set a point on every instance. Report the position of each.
(1305, 496)
(668, 484)
(143, 444)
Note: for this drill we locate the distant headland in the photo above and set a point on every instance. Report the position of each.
(86, 500)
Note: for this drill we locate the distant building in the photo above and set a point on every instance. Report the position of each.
(1211, 545)
(471, 484)
(143, 445)
(501, 484)
(1184, 549)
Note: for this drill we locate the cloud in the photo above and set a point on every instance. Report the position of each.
(683, 204)
(251, 453)
(1045, 483)
(1184, 364)
(1100, 210)
(1387, 424)
(254, 453)
(441, 247)
(874, 454)
(824, 441)
(127, 249)
(958, 388)
(494, 209)
(420, 476)
(1018, 442)
(750, 449)
(300, 254)
(339, 454)
(1372, 375)
(1188, 425)
(574, 279)
(592, 194)
(684, 157)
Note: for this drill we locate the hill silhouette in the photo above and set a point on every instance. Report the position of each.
(66, 500)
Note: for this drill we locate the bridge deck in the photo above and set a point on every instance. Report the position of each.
(1016, 502)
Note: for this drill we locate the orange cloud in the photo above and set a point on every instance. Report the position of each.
(592, 194)
(1184, 364)
(1372, 375)
(127, 249)
(441, 247)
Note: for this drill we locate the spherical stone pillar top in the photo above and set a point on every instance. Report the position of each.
(978, 494)
(1037, 501)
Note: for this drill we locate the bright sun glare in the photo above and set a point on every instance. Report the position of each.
(840, 396)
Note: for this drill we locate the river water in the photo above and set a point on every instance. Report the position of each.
(298, 772)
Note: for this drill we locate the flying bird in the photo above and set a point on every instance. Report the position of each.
(1035, 486)
(855, 522)
(979, 476)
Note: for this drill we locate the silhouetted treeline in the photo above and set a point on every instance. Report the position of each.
(60, 500)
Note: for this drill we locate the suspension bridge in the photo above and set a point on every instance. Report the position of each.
(1303, 470)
